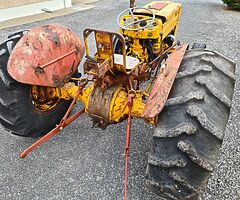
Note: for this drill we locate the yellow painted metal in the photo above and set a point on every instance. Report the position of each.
(104, 41)
(43, 98)
(137, 49)
(142, 34)
(118, 107)
(69, 90)
(105, 49)
(171, 13)
(166, 22)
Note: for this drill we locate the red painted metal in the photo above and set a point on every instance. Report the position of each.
(80, 89)
(64, 122)
(47, 56)
(50, 134)
(127, 146)
(163, 84)
(59, 58)
(159, 5)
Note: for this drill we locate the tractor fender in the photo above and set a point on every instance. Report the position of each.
(164, 82)
(47, 55)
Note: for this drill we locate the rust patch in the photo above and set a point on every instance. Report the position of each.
(163, 84)
(99, 106)
(52, 35)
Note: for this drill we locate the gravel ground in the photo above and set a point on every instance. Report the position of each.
(85, 163)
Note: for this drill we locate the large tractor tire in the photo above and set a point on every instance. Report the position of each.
(18, 111)
(190, 129)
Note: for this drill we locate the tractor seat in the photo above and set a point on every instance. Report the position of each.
(131, 62)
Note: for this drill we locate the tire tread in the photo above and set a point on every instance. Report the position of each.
(190, 130)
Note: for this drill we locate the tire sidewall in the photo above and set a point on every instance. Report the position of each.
(20, 115)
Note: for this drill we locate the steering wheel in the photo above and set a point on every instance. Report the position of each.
(134, 20)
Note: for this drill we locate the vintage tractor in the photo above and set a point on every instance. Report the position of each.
(143, 71)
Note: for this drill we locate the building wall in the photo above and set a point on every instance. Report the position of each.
(13, 3)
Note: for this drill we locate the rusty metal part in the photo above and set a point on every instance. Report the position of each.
(47, 56)
(110, 106)
(106, 106)
(114, 79)
(105, 63)
(163, 84)
(141, 72)
(64, 122)
(96, 101)
(89, 66)
(104, 67)
(99, 105)
(128, 138)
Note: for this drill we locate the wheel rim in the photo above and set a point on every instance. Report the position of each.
(44, 98)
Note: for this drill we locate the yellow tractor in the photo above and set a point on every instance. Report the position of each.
(141, 71)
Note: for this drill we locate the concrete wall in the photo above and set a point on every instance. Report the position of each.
(32, 8)
(13, 3)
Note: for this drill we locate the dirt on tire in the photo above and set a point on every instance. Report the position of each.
(190, 130)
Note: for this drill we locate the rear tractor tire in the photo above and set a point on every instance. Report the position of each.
(199, 46)
(18, 111)
(190, 129)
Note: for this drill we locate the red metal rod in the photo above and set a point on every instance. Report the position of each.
(127, 155)
(51, 134)
(63, 121)
(57, 59)
(80, 88)
(127, 146)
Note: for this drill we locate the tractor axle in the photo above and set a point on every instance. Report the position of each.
(105, 107)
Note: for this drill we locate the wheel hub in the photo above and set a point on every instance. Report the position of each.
(43, 98)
